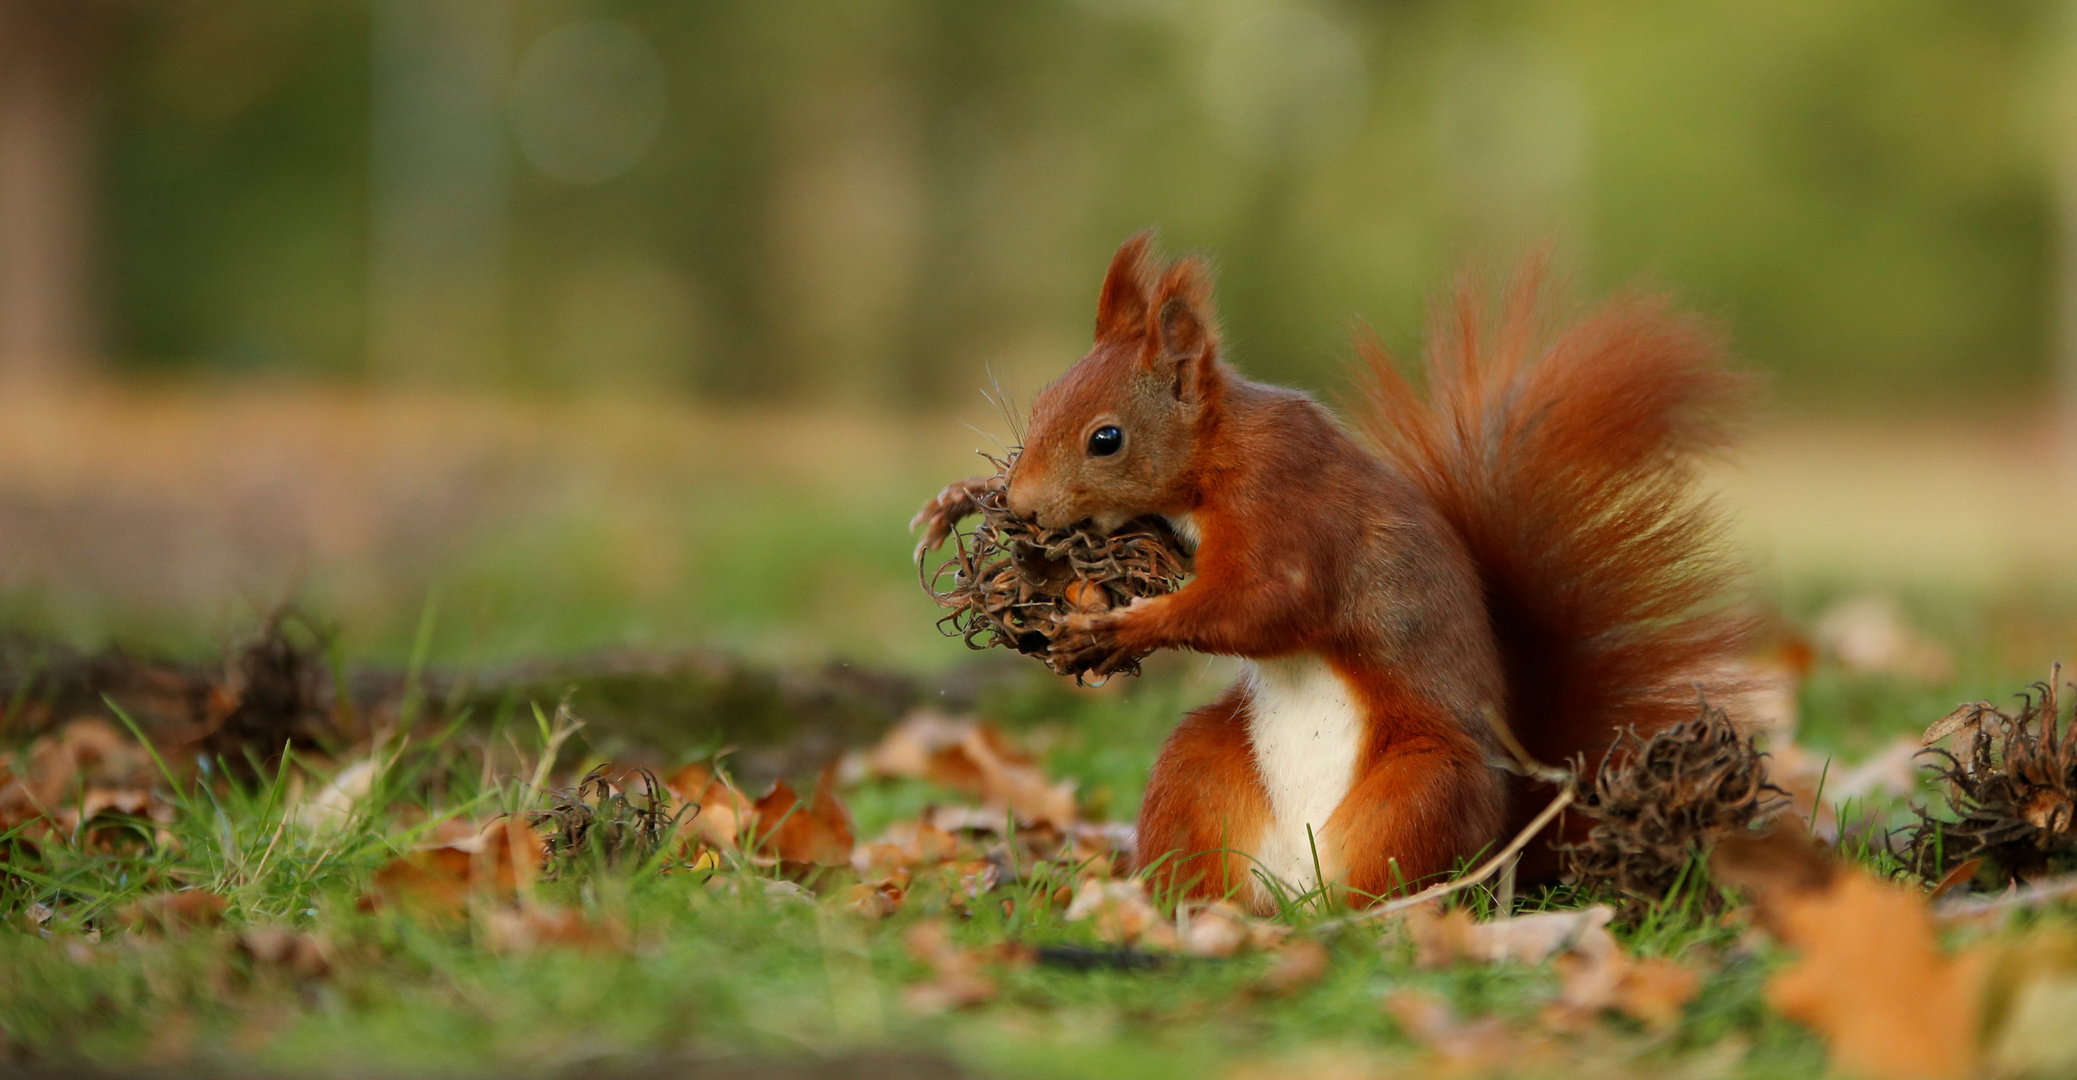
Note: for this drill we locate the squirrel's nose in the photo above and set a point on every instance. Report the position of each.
(1023, 498)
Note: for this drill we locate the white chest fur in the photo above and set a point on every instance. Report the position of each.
(1305, 729)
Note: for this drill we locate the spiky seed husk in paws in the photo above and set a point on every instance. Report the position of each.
(1659, 803)
(2011, 787)
(1013, 581)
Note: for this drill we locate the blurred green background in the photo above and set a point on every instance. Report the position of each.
(648, 322)
(871, 199)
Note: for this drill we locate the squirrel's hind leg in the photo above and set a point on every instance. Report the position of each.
(1205, 807)
(1415, 812)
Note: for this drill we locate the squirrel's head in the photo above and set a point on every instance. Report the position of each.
(1116, 436)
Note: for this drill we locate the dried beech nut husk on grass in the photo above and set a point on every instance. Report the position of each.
(2011, 787)
(1659, 803)
(1012, 582)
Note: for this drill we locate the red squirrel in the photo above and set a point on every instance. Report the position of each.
(1518, 545)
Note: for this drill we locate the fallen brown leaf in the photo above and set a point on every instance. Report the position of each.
(499, 860)
(1222, 929)
(1774, 868)
(906, 845)
(1872, 980)
(170, 912)
(959, 976)
(66, 779)
(1443, 939)
(87, 752)
(333, 805)
(282, 948)
(1299, 964)
(531, 927)
(1123, 914)
(1594, 973)
(972, 758)
(1961, 874)
(1317, 1063)
(964, 881)
(725, 814)
(1601, 977)
(1870, 977)
(1871, 635)
(1472, 1047)
(814, 833)
(878, 899)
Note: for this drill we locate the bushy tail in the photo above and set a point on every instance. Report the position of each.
(1566, 461)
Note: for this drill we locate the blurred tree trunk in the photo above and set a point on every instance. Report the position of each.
(48, 50)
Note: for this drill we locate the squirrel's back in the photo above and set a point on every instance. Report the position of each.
(1566, 463)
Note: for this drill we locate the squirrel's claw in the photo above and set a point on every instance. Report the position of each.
(1085, 642)
(952, 505)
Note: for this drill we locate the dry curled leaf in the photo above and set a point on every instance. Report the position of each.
(1600, 976)
(974, 759)
(1299, 963)
(959, 977)
(1774, 868)
(170, 912)
(281, 948)
(67, 780)
(1465, 1047)
(1870, 635)
(906, 845)
(333, 806)
(1594, 973)
(1870, 976)
(1872, 980)
(497, 861)
(877, 899)
(721, 815)
(531, 927)
(1441, 939)
(812, 833)
(1222, 929)
(1122, 913)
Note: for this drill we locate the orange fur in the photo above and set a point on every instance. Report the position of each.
(1564, 460)
(1203, 805)
(1522, 542)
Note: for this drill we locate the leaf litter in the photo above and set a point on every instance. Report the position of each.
(1867, 969)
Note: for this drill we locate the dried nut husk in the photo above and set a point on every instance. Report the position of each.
(1012, 582)
(1659, 803)
(2011, 787)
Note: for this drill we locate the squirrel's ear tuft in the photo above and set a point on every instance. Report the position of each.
(1121, 310)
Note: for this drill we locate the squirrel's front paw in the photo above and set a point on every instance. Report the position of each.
(1086, 643)
(956, 502)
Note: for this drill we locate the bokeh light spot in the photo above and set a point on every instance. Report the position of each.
(1286, 83)
(588, 101)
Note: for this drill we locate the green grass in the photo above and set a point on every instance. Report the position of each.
(701, 971)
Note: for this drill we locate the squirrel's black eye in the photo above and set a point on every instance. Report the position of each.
(1105, 441)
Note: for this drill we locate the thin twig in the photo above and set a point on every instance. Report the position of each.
(1523, 764)
(1488, 869)
(2056, 888)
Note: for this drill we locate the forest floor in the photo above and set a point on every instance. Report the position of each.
(522, 826)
